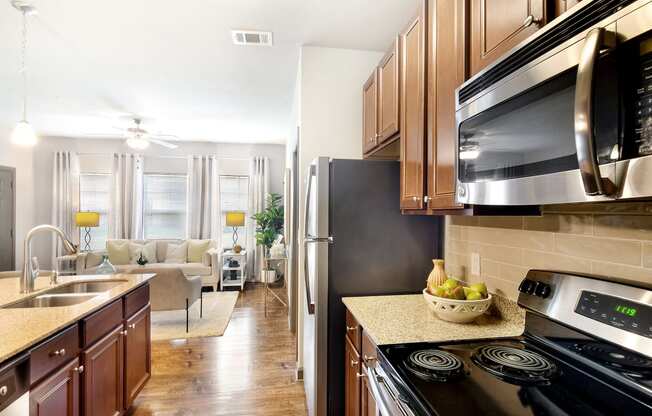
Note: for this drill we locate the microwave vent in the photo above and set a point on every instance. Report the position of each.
(577, 22)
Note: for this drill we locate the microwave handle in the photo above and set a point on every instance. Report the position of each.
(596, 40)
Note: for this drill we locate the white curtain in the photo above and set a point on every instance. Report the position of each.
(204, 211)
(126, 213)
(65, 199)
(258, 191)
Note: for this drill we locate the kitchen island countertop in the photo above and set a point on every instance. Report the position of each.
(400, 319)
(22, 328)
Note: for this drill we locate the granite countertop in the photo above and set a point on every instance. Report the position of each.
(22, 328)
(400, 319)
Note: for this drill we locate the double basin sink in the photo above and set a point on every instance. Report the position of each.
(66, 295)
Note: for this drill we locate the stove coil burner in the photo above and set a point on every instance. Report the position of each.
(435, 365)
(615, 357)
(514, 365)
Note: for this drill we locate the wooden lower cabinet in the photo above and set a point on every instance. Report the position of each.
(102, 393)
(137, 356)
(58, 394)
(367, 401)
(352, 380)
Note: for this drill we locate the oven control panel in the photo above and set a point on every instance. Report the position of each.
(617, 312)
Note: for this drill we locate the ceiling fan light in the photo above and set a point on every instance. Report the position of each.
(137, 143)
(23, 134)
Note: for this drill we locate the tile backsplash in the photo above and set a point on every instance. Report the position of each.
(602, 243)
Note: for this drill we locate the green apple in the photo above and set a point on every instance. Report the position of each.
(479, 287)
(467, 290)
(450, 284)
(473, 295)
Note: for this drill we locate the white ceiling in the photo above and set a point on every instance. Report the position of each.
(92, 63)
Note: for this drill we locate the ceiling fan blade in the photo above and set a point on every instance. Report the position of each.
(163, 143)
(166, 136)
(108, 135)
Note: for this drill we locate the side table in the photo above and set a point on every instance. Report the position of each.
(240, 270)
(284, 260)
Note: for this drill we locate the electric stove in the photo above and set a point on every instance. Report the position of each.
(586, 350)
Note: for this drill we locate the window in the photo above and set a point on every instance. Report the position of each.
(164, 206)
(234, 196)
(94, 195)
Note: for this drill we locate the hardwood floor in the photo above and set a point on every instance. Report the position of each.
(250, 370)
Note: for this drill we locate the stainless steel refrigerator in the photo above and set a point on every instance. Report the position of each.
(356, 243)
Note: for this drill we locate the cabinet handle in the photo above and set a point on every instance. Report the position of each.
(416, 198)
(132, 326)
(351, 328)
(368, 359)
(354, 363)
(79, 369)
(123, 333)
(3, 391)
(530, 19)
(426, 199)
(58, 353)
(360, 375)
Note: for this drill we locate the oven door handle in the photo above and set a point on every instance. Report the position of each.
(596, 40)
(387, 402)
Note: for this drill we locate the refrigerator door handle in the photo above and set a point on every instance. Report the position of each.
(306, 277)
(311, 173)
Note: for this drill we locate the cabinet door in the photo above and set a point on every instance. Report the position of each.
(352, 384)
(499, 25)
(412, 118)
(446, 72)
(561, 6)
(370, 113)
(388, 114)
(103, 375)
(57, 394)
(368, 403)
(138, 367)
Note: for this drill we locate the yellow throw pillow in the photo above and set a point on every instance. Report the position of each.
(118, 251)
(197, 249)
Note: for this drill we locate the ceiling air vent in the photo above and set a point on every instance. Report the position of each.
(251, 38)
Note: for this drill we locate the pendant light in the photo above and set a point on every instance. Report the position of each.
(23, 133)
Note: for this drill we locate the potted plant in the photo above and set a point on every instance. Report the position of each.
(269, 223)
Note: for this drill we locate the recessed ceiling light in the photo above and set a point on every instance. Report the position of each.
(251, 38)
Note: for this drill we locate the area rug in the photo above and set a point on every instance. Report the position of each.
(218, 307)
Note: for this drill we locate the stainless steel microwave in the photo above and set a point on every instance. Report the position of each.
(566, 116)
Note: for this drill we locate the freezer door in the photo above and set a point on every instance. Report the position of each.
(315, 272)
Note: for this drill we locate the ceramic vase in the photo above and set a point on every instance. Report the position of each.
(438, 274)
(106, 267)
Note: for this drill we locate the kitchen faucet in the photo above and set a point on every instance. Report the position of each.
(30, 266)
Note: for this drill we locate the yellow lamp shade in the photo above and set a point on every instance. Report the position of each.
(235, 219)
(87, 219)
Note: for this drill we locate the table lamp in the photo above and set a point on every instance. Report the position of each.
(235, 219)
(86, 220)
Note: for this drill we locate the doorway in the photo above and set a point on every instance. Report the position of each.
(7, 218)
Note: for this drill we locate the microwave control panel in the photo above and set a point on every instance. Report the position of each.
(643, 109)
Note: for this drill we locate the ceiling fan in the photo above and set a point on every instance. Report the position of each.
(138, 138)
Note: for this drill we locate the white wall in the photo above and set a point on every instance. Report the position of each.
(157, 159)
(328, 102)
(21, 159)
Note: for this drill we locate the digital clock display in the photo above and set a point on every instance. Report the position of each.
(625, 310)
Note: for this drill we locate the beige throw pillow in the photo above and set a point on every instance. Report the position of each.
(197, 249)
(118, 251)
(148, 251)
(176, 253)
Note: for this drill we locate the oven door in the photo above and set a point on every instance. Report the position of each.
(547, 134)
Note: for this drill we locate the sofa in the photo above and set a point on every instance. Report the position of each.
(209, 269)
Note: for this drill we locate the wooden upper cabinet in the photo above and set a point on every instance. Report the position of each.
(412, 112)
(370, 113)
(446, 71)
(388, 93)
(499, 25)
